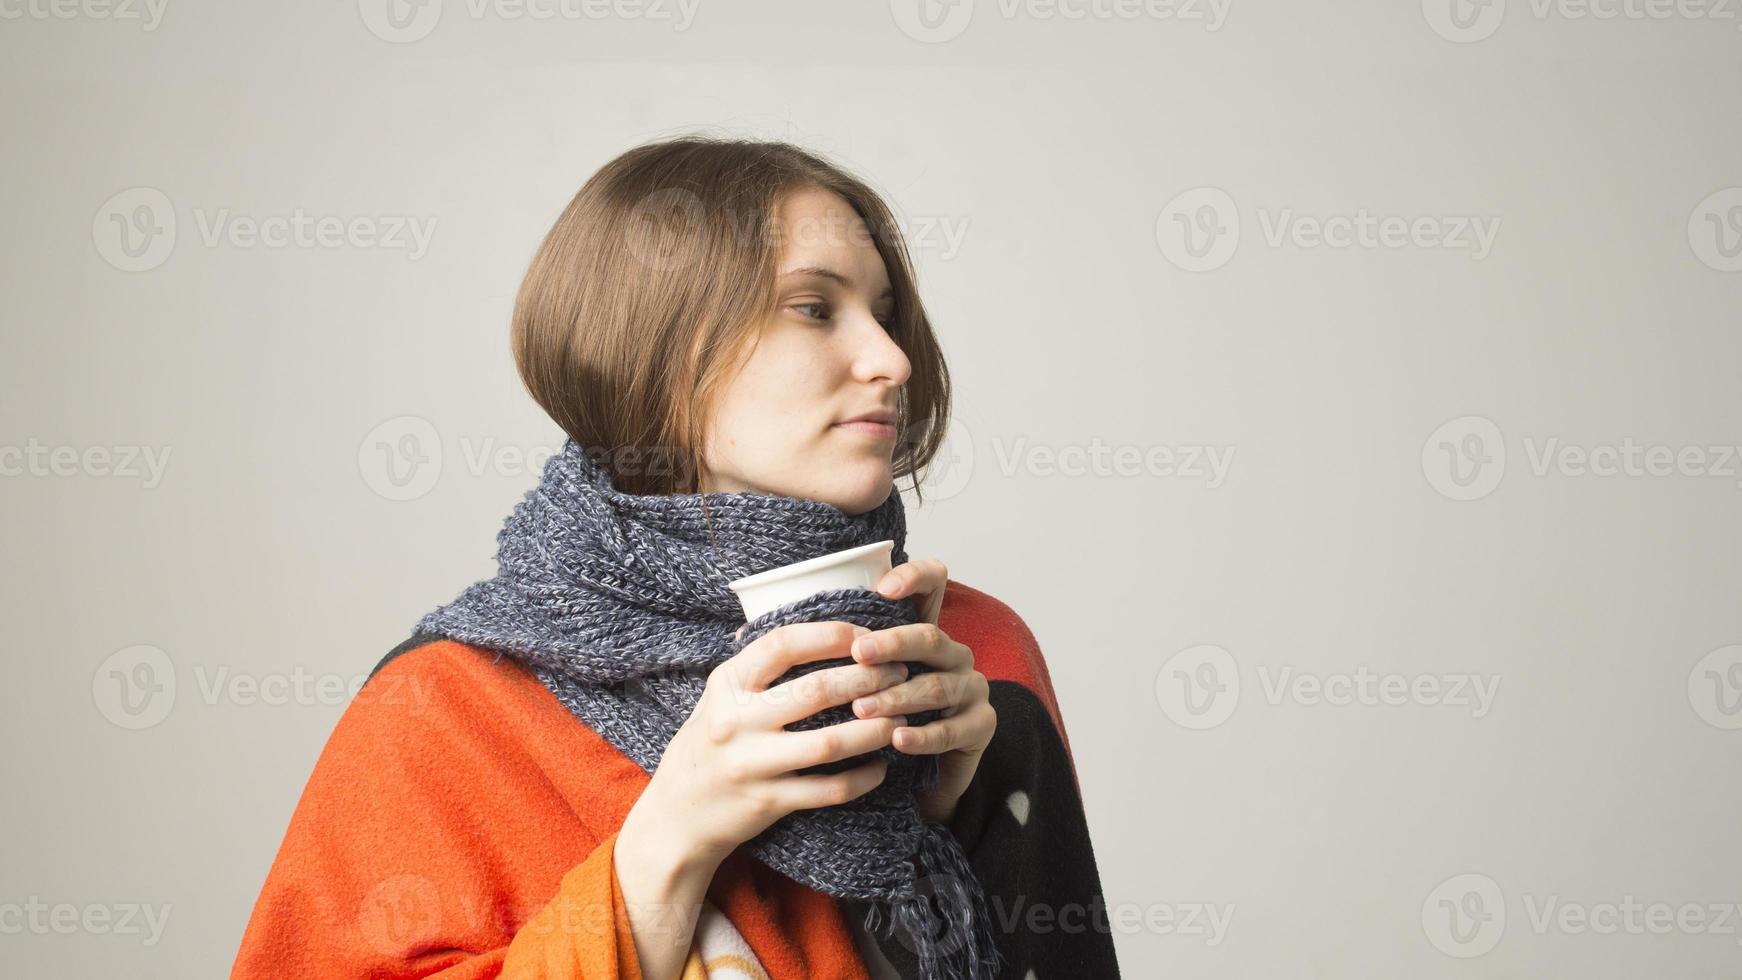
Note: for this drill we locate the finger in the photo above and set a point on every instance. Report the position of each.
(971, 729)
(912, 578)
(945, 690)
(804, 696)
(807, 792)
(923, 642)
(775, 652)
(792, 751)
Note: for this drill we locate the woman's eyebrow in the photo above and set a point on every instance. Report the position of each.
(836, 276)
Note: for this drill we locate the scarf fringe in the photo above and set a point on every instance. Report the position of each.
(944, 920)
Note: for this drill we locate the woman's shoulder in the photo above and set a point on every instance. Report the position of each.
(1004, 647)
(431, 682)
(436, 706)
(1026, 793)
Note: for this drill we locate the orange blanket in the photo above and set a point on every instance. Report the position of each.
(460, 823)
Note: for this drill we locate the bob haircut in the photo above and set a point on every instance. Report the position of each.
(648, 294)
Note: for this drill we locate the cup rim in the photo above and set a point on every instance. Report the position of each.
(809, 565)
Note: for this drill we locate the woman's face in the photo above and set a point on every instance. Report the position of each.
(824, 356)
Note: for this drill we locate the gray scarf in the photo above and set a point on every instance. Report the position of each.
(619, 604)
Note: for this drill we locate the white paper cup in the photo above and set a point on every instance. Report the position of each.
(856, 568)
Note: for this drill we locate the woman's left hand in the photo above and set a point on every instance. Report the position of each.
(968, 720)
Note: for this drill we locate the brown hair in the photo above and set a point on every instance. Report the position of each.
(651, 287)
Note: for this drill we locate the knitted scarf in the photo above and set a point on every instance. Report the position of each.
(618, 603)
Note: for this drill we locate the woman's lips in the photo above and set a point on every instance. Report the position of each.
(879, 430)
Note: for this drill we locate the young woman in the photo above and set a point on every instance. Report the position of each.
(590, 765)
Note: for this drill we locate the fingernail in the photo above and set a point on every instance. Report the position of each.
(861, 630)
(863, 707)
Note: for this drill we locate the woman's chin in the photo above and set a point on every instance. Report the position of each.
(859, 487)
(855, 484)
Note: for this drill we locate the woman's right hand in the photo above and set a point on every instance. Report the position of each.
(728, 772)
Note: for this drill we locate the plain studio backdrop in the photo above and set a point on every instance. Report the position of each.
(1346, 398)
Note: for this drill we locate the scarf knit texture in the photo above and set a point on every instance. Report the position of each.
(618, 603)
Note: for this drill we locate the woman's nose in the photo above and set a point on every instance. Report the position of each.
(879, 356)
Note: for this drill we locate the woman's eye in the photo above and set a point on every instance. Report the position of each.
(821, 311)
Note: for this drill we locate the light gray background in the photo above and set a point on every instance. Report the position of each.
(1605, 768)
